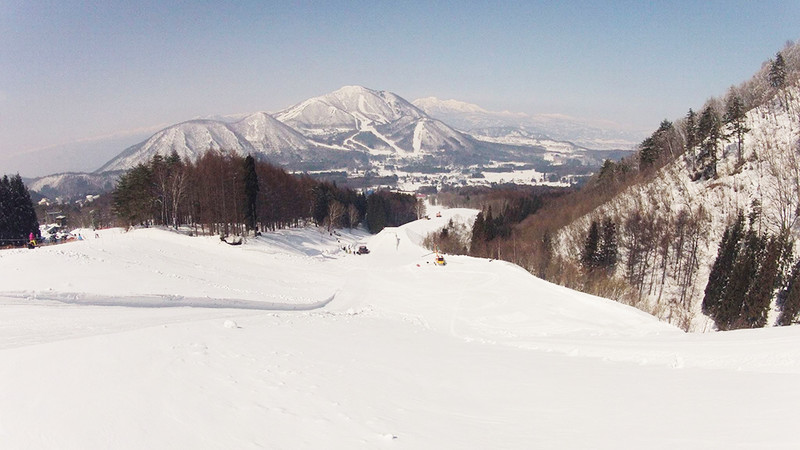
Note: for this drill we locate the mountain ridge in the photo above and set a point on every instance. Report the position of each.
(353, 128)
(538, 128)
(361, 122)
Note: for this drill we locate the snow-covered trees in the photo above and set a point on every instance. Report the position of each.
(17, 216)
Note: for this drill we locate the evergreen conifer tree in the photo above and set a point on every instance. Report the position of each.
(721, 269)
(607, 253)
(251, 193)
(691, 131)
(789, 298)
(589, 255)
(737, 293)
(478, 234)
(322, 197)
(648, 153)
(134, 199)
(708, 134)
(489, 225)
(5, 211)
(777, 72)
(376, 213)
(17, 215)
(756, 303)
(735, 115)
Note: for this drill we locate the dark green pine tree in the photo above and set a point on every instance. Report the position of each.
(648, 153)
(742, 279)
(709, 132)
(589, 255)
(691, 131)
(607, 253)
(5, 211)
(377, 215)
(607, 171)
(250, 193)
(16, 208)
(322, 197)
(27, 214)
(173, 159)
(777, 72)
(490, 225)
(721, 269)
(756, 303)
(478, 234)
(789, 298)
(134, 197)
(735, 115)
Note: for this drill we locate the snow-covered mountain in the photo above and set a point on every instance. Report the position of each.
(547, 130)
(269, 136)
(73, 185)
(358, 118)
(258, 133)
(351, 127)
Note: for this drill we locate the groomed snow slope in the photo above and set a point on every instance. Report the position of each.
(390, 352)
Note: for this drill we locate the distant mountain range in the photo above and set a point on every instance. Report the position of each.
(523, 129)
(356, 128)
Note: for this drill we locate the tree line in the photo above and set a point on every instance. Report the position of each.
(228, 194)
(502, 210)
(17, 215)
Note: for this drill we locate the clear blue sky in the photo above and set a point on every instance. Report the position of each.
(74, 70)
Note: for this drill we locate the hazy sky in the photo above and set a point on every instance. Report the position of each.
(75, 71)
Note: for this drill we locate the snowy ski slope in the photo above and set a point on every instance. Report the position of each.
(152, 339)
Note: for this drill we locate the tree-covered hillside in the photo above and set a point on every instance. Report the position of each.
(664, 212)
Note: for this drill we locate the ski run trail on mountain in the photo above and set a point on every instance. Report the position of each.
(154, 339)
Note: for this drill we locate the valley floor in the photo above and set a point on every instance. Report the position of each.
(151, 339)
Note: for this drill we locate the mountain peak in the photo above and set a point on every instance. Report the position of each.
(347, 108)
(353, 89)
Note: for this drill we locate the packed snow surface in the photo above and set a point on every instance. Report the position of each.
(154, 339)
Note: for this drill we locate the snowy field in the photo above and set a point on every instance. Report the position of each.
(152, 339)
